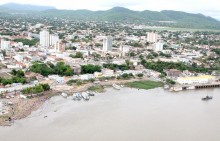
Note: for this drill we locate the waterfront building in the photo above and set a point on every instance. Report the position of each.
(44, 38)
(196, 79)
(107, 44)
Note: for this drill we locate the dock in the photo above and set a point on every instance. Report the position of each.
(195, 86)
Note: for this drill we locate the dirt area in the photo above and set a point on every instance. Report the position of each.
(21, 108)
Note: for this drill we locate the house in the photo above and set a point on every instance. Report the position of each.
(107, 72)
(173, 73)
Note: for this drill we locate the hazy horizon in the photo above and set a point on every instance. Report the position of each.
(209, 8)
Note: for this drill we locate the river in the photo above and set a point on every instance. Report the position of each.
(125, 115)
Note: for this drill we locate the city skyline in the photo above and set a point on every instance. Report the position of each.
(192, 6)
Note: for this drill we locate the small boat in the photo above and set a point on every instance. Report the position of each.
(91, 94)
(85, 96)
(166, 86)
(207, 98)
(77, 96)
(117, 87)
(64, 95)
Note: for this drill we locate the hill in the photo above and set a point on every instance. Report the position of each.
(119, 14)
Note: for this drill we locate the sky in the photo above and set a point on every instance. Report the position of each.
(206, 7)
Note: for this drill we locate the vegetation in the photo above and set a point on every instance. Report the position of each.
(170, 81)
(140, 75)
(90, 69)
(36, 89)
(98, 88)
(144, 84)
(77, 55)
(125, 76)
(161, 66)
(60, 68)
(115, 66)
(18, 77)
(27, 41)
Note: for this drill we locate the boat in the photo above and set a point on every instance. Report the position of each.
(91, 94)
(207, 98)
(117, 87)
(166, 86)
(85, 96)
(64, 95)
(77, 96)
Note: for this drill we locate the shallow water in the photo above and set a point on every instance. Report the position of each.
(125, 115)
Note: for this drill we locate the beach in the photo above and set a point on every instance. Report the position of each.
(126, 115)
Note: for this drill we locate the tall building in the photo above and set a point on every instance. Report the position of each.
(152, 37)
(158, 47)
(107, 44)
(45, 38)
(5, 45)
(54, 39)
(59, 47)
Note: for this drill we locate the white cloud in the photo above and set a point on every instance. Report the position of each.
(210, 7)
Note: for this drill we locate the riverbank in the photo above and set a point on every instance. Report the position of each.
(22, 108)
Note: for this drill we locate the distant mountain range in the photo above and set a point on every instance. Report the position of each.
(119, 14)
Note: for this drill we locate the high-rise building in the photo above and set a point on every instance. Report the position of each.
(59, 47)
(53, 39)
(45, 38)
(158, 46)
(107, 44)
(5, 45)
(152, 37)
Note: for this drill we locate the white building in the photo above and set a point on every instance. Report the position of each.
(108, 73)
(158, 46)
(152, 37)
(125, 49)
(5, 45)
(107, 44)
(44, 38)
(196, 79)
(54, 39)
(57, 78)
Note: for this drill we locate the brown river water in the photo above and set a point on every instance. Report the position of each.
(125, 115)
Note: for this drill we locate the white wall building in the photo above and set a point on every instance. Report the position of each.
(5, 45)
(107, 44)
(196, 79)
(152, 37)
(54, 39)
(158, 46)
(44, 38)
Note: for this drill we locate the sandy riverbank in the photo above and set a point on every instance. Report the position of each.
(22, 108)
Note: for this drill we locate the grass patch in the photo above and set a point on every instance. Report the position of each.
(98, 88)
(144, 84)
